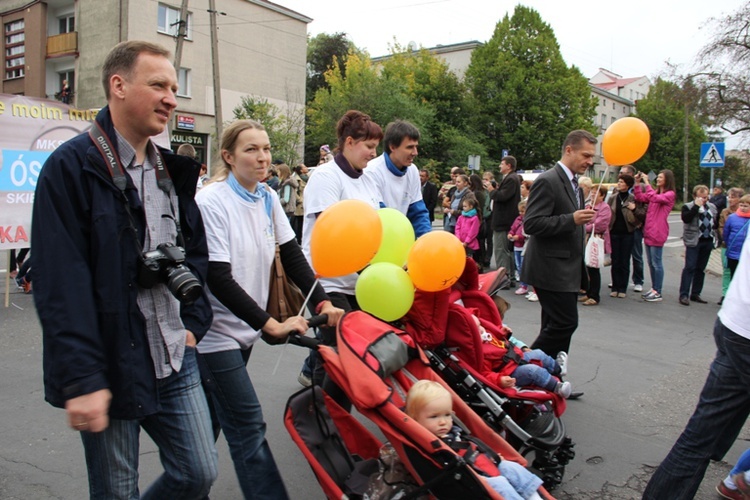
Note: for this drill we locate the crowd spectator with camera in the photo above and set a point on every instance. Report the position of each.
(699, 219)
(656, 228)
(119, 258)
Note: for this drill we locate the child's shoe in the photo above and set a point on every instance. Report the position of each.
(562, 360)
(522, 290)
(563, 389)
(531, 297)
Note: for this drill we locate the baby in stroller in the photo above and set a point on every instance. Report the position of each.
(430, 404)
(529, 367)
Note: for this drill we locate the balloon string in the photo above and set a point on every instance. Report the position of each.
(302, 310)
(604, 176)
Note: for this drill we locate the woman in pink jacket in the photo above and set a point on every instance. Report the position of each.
(656, 228)
(467, 227)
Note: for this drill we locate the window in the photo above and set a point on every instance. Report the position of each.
(67, 24)
(624, 111)
(604, 102)
(613, 105)
(168, 21)
(15, 49)
(183, 81)
(614, 119)
(604, 120)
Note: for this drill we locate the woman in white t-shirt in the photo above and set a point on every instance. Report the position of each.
(244, 221)
(342, 179)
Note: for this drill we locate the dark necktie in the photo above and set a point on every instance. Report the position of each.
(576, 191)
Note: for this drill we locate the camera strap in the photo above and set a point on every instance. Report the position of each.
(114, 165)
(115, 169)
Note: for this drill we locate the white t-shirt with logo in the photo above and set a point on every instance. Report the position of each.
(239, 232)
(733, 312)
(398, 192)
(328, 185)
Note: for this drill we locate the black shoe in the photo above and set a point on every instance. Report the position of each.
(698, 299)
(684, 301)
(721, 300)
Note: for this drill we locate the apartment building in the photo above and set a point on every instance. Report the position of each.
(262, 50)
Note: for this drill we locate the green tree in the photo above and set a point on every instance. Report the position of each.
(447, 138)
(322, 51)
(526, 98)
(284, 129)
(663, 110)
(362, 88)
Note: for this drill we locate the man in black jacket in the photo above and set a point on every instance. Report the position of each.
(429, 193)
(504, 211)
(119, 353)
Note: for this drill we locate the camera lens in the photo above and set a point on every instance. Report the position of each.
(183, 285)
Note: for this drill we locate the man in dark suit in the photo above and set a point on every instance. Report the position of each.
(504, 211)
(555, 219)
(429, 193)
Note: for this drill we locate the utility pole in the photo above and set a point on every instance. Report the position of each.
(215, 60)
(181, 34)
(685, 176)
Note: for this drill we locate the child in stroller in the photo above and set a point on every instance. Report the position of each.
(530, 367)
(430, 404)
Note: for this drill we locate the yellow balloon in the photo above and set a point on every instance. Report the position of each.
(385, 291)
(345, 238)
(625, 141)
(436, 261)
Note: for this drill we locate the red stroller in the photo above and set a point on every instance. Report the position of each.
(375, 366)
(528, 418)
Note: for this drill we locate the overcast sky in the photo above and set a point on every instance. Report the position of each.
(631, 38)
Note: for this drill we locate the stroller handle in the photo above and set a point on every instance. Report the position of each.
(309, 342)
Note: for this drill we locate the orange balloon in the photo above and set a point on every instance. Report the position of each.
(345, 237)
(436, 261)
(625, 141)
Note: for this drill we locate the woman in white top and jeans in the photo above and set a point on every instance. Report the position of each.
(244, 221)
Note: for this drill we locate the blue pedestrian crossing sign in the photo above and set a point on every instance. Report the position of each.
(712, 154)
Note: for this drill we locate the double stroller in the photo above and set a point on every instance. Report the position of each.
(442, 323)
(375, 365)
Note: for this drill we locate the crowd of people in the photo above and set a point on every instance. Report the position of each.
(145, 350)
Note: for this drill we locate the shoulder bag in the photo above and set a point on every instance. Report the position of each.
(284, 297)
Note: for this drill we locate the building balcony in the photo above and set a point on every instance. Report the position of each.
(65, 44)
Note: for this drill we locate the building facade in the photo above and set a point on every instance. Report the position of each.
(262, 51)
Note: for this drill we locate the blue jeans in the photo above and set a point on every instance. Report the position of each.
(533, 374)
(655, 266)
(241, 419)
(722, 410)
(518, 257)
(514, 481)
(638, 256)
(693, 274)
(181, 430)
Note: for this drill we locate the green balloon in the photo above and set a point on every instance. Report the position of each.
(385, 291)
(398, 237)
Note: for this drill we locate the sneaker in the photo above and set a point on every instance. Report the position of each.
(613, 294)
(648, 294)
(610, 285)
(522, 290)
(532, 297)
(562, 360)
(725, 492)
(621, 295)
(654, 297)
(304, 380)
(637, 288)
(563, 389)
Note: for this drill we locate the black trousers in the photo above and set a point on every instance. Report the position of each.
(559, 320)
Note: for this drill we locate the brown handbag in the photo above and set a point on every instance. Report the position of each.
(284, 298)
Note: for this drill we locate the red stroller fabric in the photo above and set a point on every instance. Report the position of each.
(436, 319)
(375, 366)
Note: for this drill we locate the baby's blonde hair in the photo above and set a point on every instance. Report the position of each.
(421, 393)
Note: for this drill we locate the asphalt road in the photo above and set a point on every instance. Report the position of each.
(641, 366)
